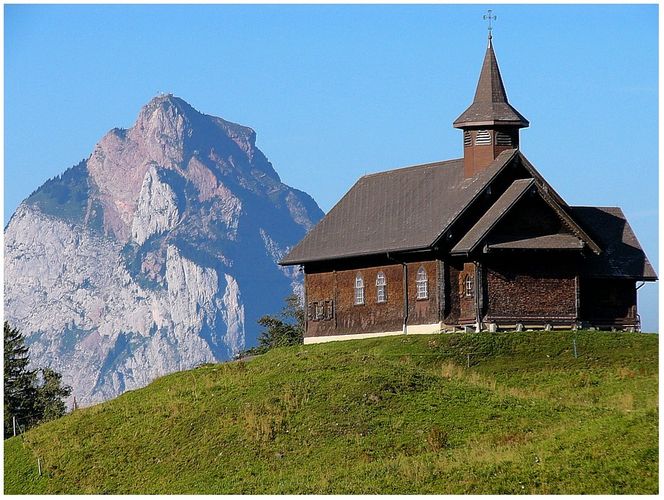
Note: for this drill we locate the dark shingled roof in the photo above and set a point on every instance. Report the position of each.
(546, 242)
(403, 209)
(492, 216)
(622, 254)
(490, 106)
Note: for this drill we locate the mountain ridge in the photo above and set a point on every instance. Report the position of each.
(155, 253)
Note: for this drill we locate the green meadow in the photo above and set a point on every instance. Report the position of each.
(452, 413)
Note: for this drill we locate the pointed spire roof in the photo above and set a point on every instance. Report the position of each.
(490, 105)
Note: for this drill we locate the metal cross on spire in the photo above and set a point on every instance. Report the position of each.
(490, 17)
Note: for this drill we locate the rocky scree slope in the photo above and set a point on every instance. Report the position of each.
(155, 254)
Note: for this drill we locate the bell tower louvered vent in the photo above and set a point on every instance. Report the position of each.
(467, 139)
(503, 139)
(483, 138)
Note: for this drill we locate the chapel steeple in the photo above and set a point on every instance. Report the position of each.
(490, 125)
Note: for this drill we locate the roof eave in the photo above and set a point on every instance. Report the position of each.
(490, 123)
(355, 255)
(626, 277)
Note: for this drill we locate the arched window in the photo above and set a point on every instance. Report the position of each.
(359, 290)
(381, 288)
(483, 138)
(469, 285)
(422, 284)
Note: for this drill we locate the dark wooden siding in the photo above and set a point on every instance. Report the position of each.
(423, 312)
(514, 287)
(467, 309)
(530, 290)
(453, 297)
(459, 309)
(372, 316)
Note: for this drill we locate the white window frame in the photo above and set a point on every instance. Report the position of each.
(422, 282)
(469, 285)
(359, 290)
(329, 309)
(381, 288)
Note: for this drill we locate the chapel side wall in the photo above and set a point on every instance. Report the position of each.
(453, 297)
(461, 307)
(372, 316)
(423, 311)
(467, 309)
(349, 318)
(530, 291)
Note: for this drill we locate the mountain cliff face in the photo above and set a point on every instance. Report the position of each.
(155, 254)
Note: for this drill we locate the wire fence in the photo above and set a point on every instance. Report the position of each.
(19, 429)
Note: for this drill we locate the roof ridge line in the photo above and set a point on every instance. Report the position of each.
(418, 165)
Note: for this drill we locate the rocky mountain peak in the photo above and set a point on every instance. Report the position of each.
(167, 103)
(155, 254)
(173, 118)
(170, 134)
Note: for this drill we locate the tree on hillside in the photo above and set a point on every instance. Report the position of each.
(49, 403)
(31, 396)
(19, 382)
(283, 329)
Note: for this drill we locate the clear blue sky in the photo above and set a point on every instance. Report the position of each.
(337, 91)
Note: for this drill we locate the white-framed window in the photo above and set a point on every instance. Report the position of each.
(359, 290)
(483, 138)
(329, 309)
(469, 285)
(381, 288)
(422, 284)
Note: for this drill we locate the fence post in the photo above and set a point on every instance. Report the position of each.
(574, 342)
(14, 425)
(39, 465)
(468, 360)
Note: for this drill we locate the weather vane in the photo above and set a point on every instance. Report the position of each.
(488, 16)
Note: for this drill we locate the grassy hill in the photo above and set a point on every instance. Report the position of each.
(391, 415)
